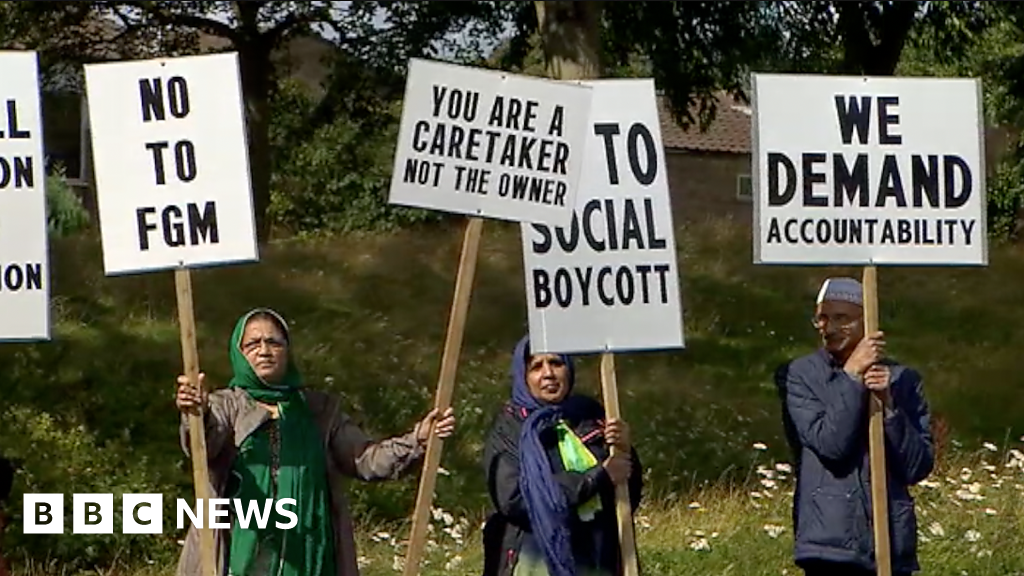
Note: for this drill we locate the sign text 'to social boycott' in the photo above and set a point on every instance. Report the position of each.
(607, 281)
(143, 513)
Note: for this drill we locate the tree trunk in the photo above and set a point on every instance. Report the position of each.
(861, 55)
(257, 74)
(571, 35)
(88, 176)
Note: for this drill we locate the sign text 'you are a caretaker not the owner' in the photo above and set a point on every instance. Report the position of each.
(868, 170)
(490, 144)
(172, 165)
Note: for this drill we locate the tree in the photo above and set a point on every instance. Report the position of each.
(384, 33)
(697, 48)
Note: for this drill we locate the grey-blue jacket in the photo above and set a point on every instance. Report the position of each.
(825, 414)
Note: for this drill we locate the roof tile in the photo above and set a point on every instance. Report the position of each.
(729, 132)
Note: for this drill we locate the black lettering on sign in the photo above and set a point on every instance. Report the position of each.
(13, 131)
(811, 177)
(645, 169)
(471, 179)
(201, 226)
(601, 235)
(184, 160)
(840, 231)
(557, 120)
(422, 172)
(514, 115)
(457, 104)
(20, 277)
(854, 182)
(513, 150)
(854, 114)
(890, 184)
(882, 182)
(157, 99)
(624, 285)
(16, 172)
(541, 190)
(887, 120)
(155, 106)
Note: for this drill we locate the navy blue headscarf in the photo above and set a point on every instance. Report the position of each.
(545, 501)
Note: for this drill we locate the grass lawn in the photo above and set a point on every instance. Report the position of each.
(93, 410)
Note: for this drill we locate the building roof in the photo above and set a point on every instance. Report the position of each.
(729, 132)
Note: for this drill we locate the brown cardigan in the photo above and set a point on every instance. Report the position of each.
(233, 415)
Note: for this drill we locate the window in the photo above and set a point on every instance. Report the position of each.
(744, 188)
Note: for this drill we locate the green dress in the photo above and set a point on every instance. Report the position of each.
(283, 459)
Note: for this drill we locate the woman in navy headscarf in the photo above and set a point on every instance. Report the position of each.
(551, 477)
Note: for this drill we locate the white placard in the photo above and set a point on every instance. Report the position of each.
(858, 171)
(24, 260)
(609, 280)
(490, 144)
(171, 163)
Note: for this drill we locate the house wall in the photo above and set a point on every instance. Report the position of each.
(704, 184)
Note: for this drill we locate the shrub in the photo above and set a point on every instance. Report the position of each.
(337, 180)
(65, 215)
(1005, 199)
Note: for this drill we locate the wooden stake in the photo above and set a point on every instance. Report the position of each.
(197, 432)
(571, 35)
(445, 388)
(623, 505)
(876, 439)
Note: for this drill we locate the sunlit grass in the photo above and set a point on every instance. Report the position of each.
(369, 317)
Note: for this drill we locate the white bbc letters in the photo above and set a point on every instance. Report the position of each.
(43, 513)
(143, 514)
(92, 514)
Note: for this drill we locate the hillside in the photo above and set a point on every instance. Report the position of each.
(368, 313)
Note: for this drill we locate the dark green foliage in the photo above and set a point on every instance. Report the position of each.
(337, 178)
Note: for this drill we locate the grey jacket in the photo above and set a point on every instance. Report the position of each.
(233, 415)
(825, 413)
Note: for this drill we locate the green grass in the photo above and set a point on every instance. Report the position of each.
(93, 409)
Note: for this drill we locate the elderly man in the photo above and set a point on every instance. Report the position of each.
(825, 414)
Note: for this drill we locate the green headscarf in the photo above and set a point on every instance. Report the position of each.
(307, 549)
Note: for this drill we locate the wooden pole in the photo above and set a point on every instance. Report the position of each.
(876, 439)
(445, 388)
(197, 432)
(571, 35)
(623, 505)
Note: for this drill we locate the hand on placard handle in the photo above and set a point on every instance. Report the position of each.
(190, 399)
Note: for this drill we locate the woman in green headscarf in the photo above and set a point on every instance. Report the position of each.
(269, 437)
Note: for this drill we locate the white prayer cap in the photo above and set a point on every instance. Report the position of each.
(841, 290)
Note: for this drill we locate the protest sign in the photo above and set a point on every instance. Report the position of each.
(24, 262)
(171, 163)
(851, 170)
(869, 171)
(488, 143)
(173, 189)
(609, 280)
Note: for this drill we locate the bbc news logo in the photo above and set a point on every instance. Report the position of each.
(144, 513)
